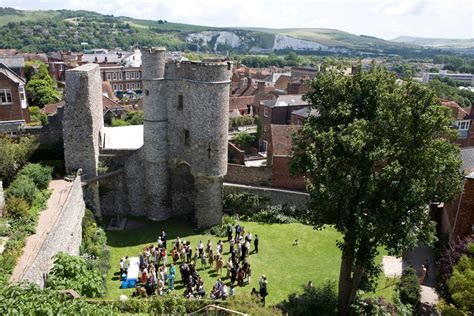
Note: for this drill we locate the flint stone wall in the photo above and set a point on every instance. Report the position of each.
(65, 236)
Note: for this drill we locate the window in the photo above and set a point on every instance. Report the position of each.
(463, 125)
(180, 102)
(127, 75)
(115, 76)
(186, 137)
(133, 75)
(22, 93)
(61, 67)
(128, 86)
(139, 86)
(121, 87)
(138, 75)
(265, 111)
(119, 76)
(115, 87)
(133, 86)
(109, 77)
(5, 96)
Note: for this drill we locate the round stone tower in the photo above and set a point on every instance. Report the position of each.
(199, 132)
(155, 136)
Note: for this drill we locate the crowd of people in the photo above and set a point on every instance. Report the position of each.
(156, 277)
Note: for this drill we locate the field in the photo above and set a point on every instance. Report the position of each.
(287, 268)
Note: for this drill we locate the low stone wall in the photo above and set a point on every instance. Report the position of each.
(276, 196)
(248, 175)
(65, 236)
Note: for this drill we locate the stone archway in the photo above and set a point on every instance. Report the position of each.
(182, 189)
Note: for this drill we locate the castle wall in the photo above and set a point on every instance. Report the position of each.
(83, 125)
(65, 236)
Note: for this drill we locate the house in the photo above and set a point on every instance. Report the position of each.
(462, 121)
(279, 156)
(59, 62)
(241, 104)
(278, 111)
(457, 219)
(303, 73)
(298, 116)
(13, 103)
(15, 63)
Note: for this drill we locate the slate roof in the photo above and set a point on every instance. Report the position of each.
(13, 61)
(467, 156)
(305, 112)
(5, 70)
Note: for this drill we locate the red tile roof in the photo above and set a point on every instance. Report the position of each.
(240, 103)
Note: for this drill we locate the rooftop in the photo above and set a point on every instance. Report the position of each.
(305, 112)
(13, 61)
(123, 137)
(285, 100)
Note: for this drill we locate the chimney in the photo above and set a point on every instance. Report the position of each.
(241, 82)
(261, 86)
(105, 59)
(96, 59)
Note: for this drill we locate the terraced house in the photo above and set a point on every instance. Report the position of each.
(13, 103)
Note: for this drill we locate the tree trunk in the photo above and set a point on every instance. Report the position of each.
(345, 276)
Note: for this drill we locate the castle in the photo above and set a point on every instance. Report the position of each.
(180, 168)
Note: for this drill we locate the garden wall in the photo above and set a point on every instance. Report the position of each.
(64, 236)
(276, 196)
(248, 175)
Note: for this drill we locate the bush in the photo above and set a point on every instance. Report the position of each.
(22, 187)
(37, 118)
(134, 118)
(322, 299)
(369, 306)
(17, 207)
(461, 284)
(244, 204)
(273, 214)
(409, 287)
(14, 154)
(221, 230)
(41, 175)
(70, 272)
(119, 122)
(244, 139)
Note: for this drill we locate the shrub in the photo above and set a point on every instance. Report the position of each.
(134, 118)
(41, 175)
(244, 204)
(119, 122)
(22, 187)
(273, 214)
(461, 284)
(221, 230)
(17, 207)
(409, 287)
(14, 154)
(37, 118)
(369, 306)
(70, 272)
(322, 299)
(244, 139)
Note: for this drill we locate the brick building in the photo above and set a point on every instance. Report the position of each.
(13, 103)
(457, 219)
(279, 156)
(278, 111)
(462, 121)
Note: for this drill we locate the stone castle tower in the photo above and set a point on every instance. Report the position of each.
(185, 136)
(83, 126)
(180, 168)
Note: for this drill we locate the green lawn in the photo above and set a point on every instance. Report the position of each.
(287, 268)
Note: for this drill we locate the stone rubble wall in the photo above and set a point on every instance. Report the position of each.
(276, 196)
(65, 236)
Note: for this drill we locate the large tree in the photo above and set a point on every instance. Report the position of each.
(379, 152)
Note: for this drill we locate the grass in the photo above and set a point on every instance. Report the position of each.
(287, 268)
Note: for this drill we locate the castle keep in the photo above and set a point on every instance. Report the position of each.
(180, 168)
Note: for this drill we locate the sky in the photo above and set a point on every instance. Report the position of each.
(386, 19)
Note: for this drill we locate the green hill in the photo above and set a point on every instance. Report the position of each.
(65, 30)
(436, 42)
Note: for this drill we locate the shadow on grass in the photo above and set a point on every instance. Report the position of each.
(145, 231)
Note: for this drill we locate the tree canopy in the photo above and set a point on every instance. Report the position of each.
(379, 152)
